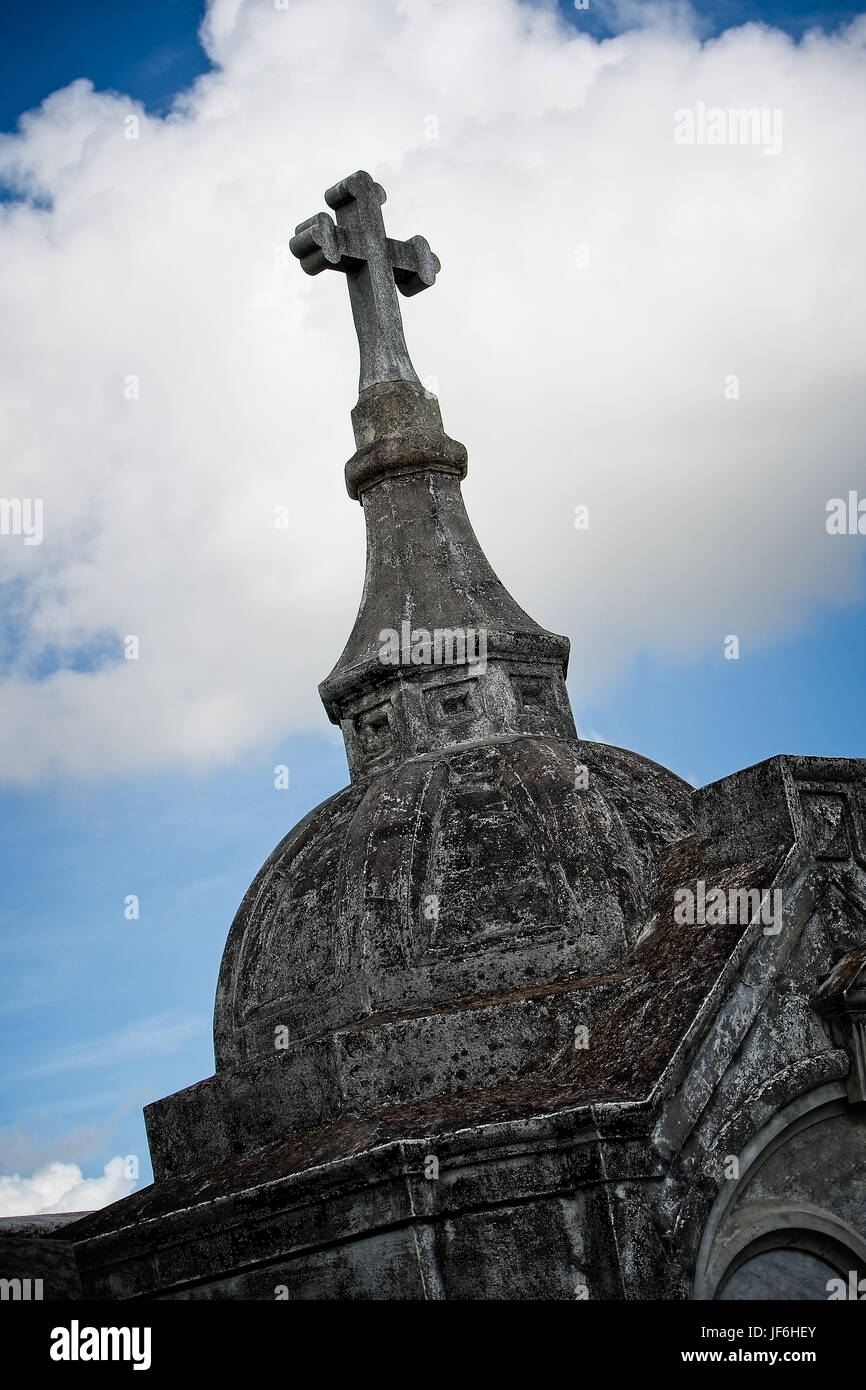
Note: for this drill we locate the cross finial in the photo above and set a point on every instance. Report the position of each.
(373, 264)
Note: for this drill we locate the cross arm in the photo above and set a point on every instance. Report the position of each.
(320, 244)
(415, 265)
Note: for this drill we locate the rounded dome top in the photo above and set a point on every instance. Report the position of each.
(459, 876)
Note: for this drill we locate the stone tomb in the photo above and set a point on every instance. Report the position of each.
(464, 1045)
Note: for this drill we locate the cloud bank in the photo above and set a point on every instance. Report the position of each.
(57, 1187)
(669, 334)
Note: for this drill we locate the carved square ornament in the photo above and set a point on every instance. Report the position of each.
(827, 824)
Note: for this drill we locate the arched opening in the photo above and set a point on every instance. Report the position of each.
(773, 1232)
(803, 1265)
(784, 1253)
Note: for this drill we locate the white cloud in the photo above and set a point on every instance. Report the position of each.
(57, 1187)
(601, 385)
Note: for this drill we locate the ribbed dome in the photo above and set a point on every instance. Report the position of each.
(419, 932)
(455, 918)
(460, 876)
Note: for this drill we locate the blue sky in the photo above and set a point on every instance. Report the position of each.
(151, 50)
(100, 1014)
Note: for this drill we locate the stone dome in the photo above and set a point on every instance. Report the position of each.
(453, 920)
(449, 918)
(463, 875)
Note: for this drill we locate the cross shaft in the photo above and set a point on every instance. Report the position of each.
(375, 266)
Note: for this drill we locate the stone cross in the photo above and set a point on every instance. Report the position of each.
(373, 264)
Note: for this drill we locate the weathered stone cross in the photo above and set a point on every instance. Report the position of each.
(373, 264)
